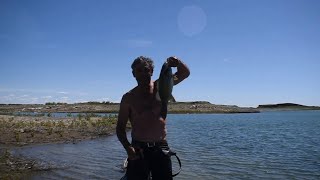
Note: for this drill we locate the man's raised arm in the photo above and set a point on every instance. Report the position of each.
(182, 69)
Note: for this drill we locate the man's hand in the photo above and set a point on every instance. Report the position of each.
(173, 61)
(182, 69)
(132, 153)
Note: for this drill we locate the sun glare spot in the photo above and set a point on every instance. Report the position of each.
(191, 20)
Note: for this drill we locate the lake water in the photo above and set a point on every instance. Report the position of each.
(268, 145)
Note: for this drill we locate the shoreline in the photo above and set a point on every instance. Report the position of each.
(18, 131)
(25, 130)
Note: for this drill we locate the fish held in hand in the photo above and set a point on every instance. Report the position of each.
(165, 87)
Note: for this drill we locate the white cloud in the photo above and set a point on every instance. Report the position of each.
(41, 96)
(64, 99)
(117, 100)
(104, 99)
(46, 97)
(34, 100)
(11, 91)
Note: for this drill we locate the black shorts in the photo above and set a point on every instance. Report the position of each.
(153, 162)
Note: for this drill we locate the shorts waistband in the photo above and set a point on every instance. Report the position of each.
(150, 144)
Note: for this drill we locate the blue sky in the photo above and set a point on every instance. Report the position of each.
(240, 52)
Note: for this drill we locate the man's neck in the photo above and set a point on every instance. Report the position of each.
(145, 89)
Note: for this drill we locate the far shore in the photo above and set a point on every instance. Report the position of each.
(193, 107)
(97, 107)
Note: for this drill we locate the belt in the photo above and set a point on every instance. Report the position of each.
(150, 144)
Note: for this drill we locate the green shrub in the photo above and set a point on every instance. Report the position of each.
(17, 136)
(80, 116)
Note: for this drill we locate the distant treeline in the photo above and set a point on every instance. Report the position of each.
(108, 102)
(16, 104)
(90, 102)
(96, 102)
(190, 102)
(55, 103)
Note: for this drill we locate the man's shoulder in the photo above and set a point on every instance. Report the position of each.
(132, 92)
(128, 95)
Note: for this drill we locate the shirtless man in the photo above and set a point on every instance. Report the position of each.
(142, 109)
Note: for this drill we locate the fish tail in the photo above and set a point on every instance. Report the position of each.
(164, 110)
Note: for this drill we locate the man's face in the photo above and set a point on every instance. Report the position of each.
(143, 73)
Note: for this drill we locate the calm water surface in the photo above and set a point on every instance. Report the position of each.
(268, 145)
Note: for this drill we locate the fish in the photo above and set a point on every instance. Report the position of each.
(165, 87)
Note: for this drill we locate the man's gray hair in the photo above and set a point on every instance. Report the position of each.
(142, 59)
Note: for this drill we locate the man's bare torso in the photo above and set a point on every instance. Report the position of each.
(144, 108)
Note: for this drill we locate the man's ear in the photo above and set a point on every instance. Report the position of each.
(133, 74)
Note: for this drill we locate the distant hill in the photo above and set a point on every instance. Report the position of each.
(109, 107)
(287, 106)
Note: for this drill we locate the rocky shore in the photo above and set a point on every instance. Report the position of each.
(23, 130)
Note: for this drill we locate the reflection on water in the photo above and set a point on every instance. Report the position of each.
(271, 145)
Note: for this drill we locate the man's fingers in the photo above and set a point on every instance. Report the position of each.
(133, 158)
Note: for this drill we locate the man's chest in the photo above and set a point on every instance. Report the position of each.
(145, 105)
